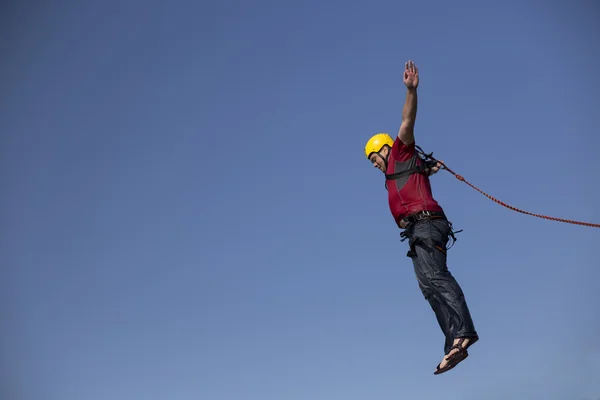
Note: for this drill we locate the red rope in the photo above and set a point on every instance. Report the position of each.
(568, 221)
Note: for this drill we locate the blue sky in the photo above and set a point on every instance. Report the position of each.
(188, 213)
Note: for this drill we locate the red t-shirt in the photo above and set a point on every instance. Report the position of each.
(412, 193)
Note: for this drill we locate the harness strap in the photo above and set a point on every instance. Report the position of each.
(428, 244)
(426, 164)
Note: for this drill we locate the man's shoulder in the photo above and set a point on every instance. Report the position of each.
(402, 151)
(399, 142)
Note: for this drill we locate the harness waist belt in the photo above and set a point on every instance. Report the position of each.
(418, 216)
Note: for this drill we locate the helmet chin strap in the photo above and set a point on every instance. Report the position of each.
(385, 159)
(385, 162)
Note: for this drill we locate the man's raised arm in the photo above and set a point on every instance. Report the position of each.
(409, 111)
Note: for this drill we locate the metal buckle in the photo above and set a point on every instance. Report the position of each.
(417, 216)
(422, 215)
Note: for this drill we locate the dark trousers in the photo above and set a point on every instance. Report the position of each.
(428, 239)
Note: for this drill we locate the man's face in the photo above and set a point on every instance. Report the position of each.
(378, 159)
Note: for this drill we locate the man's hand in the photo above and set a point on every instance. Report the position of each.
(411, 75)
(435, 168)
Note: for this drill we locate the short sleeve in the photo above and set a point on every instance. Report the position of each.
(402, 152)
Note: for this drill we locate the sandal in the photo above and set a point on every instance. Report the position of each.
(472, 341)
(455, 358)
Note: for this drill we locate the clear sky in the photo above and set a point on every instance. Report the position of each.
(187, 211)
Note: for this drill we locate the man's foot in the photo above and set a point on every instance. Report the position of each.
(457, 353)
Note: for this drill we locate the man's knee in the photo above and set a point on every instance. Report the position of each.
(448, 288)
(428, 293)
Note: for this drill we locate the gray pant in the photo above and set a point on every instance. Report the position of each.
(428, 239)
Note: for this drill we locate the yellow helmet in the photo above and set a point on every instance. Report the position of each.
(376, 142)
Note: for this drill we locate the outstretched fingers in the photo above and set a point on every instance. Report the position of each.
(410, 69)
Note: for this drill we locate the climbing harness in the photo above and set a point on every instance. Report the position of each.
(431, 160)
(410, 220)
(428, 243)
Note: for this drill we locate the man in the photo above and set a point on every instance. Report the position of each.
(425, 225)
